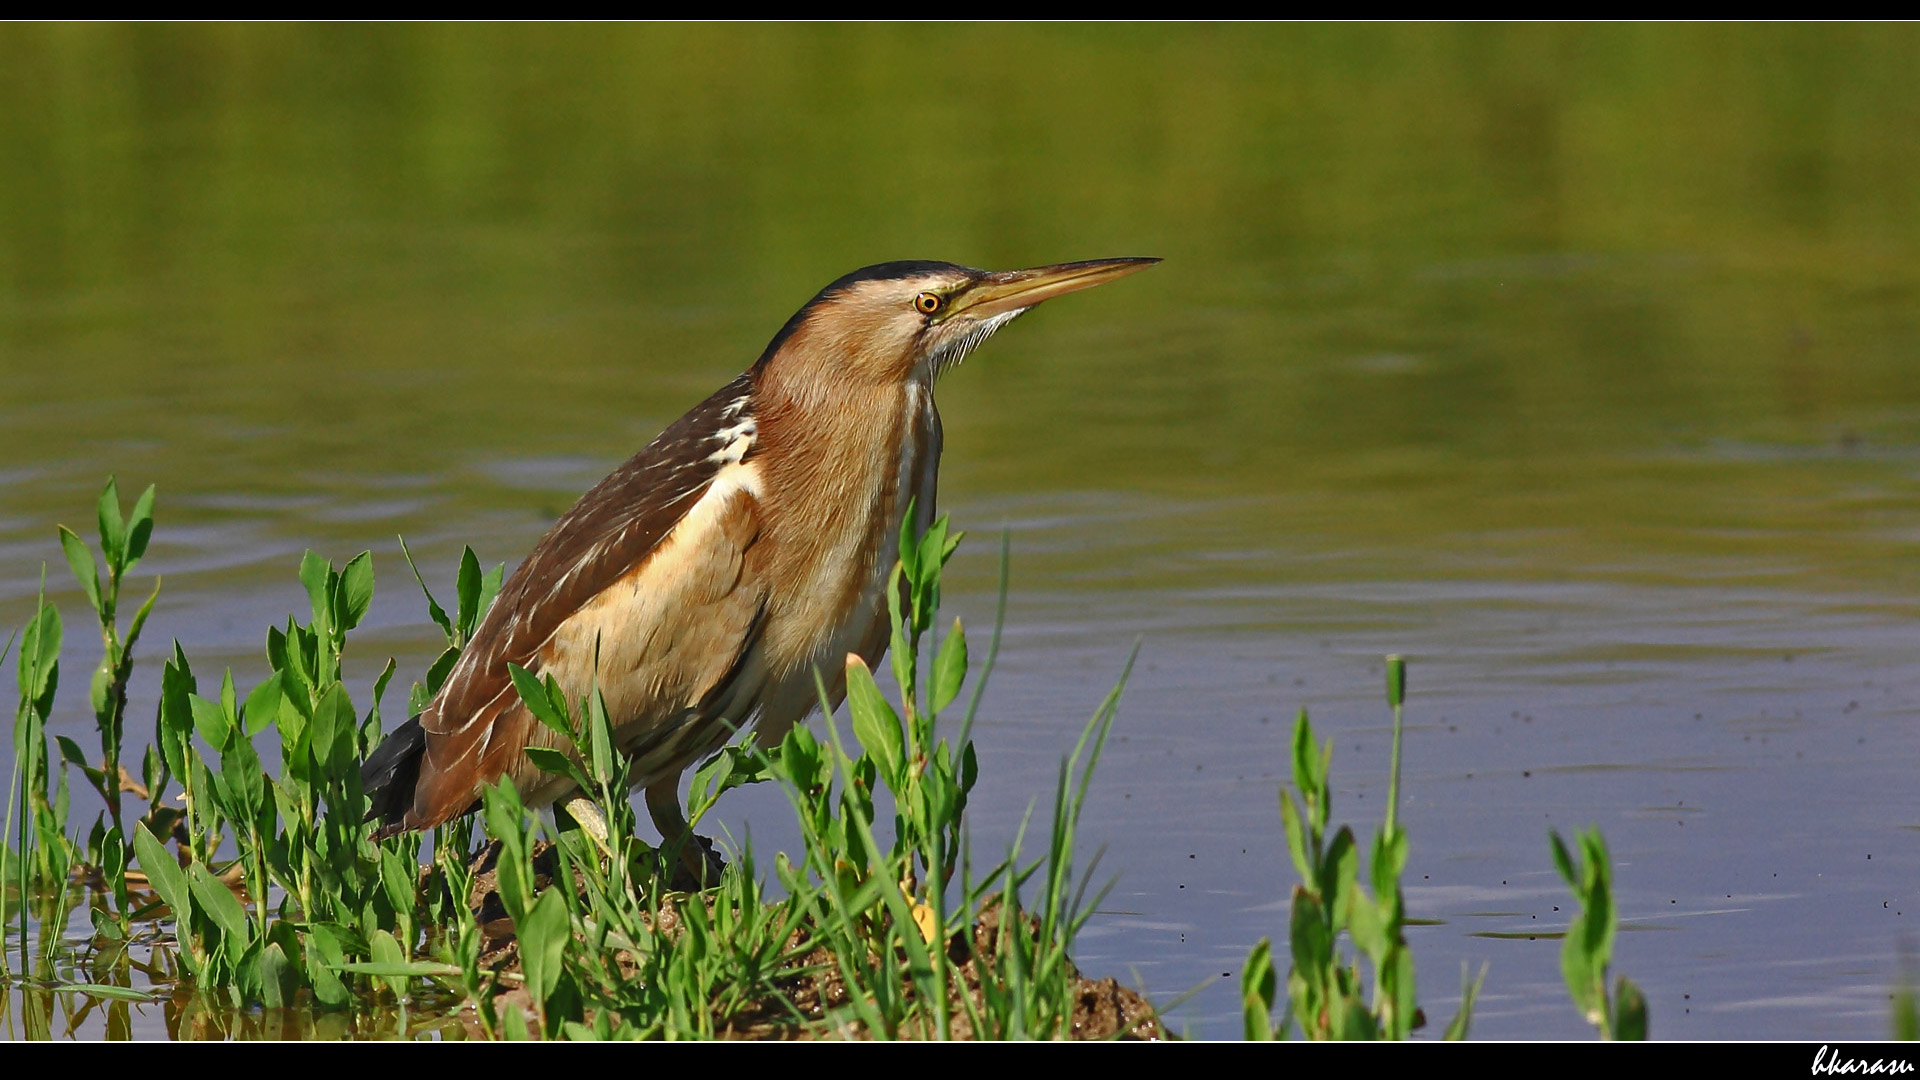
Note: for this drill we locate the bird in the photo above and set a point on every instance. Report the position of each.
(703, 584)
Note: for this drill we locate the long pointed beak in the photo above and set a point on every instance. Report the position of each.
(1016, 290)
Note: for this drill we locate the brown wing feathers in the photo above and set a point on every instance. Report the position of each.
(471, 733)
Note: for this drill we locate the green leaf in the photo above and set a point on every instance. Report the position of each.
(1630, 1012)
(601, 729)
(113, 531)
(732, 767)
(40, 653)
(559, 764)
(398, 878)
(274, 973)
(1296, 840)
(139, 529)
(221, 906)
(176, 711)
(506, 820)
(140, 618)
(295, 659)
(80, 561)
(1396, 973)
(1563, 859)
(113, 857)
(263, 705)
(932, 543)
(333, 735)
(417, 969)
(152, 766)
(902, 650)
(164, 874)
(314, 572)
(1304, 760)
(504, 810)
(513, 1025)
(949, 668)
(926, 587)
(1389, 860)
(798, 761)
(434, 611)
(437, 673)
(1600, 915)
(1582, 978)
(380, 683)
(538, 703)
(715, 772)
(909, 550)
(1256, 993)
(874, 723)
(324, 954)
(1309, 936)
(468, 587)
(926, 554)
(276, 648)
(1469, 990)
(1350, 1020)
(102, 990)
(543, 936)
(387, 951)
(489, 588)
(71, 751)
(356, 590)
(98, 688)
(1364, 923)
(210, 720)
(1338, 871)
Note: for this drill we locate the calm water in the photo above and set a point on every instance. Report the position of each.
(1580, 365)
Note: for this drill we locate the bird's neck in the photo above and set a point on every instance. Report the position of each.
(841, 473)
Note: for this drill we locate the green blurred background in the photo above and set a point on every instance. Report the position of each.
(1519, 277)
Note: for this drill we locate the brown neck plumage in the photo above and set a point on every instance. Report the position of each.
(839, 456)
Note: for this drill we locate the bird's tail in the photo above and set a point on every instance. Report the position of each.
(390, 774)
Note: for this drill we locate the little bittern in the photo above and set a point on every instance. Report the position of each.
(745, 548)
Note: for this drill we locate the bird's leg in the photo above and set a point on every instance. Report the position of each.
(582, 810)
(663, 805)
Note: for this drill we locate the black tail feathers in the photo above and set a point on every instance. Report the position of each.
(390, 774)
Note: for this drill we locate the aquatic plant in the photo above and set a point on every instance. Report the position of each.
(266, 889)
(257, 889)
(1588, 948)
(1326, 994)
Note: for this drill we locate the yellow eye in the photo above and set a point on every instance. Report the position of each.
(927, 303)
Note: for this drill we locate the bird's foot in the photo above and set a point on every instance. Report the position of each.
(698, 865)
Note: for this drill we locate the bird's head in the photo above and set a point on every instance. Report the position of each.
(902, 321)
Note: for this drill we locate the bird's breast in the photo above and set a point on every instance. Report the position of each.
(836, 522)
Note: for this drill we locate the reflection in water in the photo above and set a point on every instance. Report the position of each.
(1576, 363)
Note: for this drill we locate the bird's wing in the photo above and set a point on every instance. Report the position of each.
(606, 540)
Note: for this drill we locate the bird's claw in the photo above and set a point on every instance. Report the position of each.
(698, 865)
